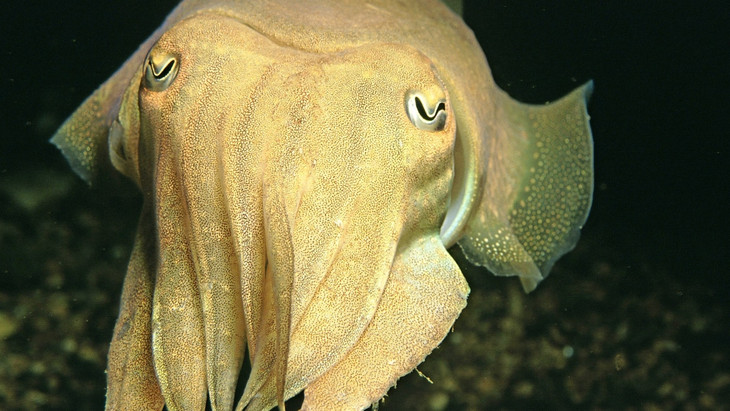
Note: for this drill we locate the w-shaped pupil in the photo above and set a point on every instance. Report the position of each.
(165, 70)
(422, 110)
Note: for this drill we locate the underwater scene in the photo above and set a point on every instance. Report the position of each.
(634, 317)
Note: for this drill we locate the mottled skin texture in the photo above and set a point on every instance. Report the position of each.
(294, 211)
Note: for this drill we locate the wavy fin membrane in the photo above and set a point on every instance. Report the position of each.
(538, 189)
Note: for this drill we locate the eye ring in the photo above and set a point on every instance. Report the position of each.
(160, 70)
(424, 113)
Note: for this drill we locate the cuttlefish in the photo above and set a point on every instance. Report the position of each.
(305, 165)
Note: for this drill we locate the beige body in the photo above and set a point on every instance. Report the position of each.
(299, 206)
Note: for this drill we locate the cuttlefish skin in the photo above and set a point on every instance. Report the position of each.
(304, 167)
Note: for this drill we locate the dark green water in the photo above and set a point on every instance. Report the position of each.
(636, 317)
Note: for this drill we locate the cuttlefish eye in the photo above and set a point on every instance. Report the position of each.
(427, 114)
(160, 70)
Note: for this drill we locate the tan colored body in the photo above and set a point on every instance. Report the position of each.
(298, 160)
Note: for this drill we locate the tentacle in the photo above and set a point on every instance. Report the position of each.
(424, 295)
(212, 251)
(281, 256)
(344, 228)
(131, 382)
(177, 325)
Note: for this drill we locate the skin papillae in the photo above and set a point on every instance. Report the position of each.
(305, 165)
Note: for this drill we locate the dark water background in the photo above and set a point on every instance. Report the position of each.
(643, 301)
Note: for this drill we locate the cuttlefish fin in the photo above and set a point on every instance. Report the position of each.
(84, 137)
(457, 6)
(538, 189)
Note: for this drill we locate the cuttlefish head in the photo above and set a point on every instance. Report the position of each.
(293, 205)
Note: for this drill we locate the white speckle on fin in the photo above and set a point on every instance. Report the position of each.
(539, 186)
